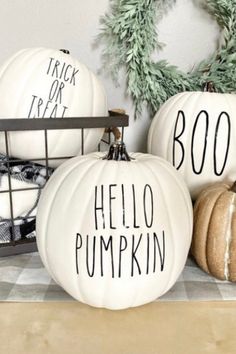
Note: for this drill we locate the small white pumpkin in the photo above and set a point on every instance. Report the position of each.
(115, 234)
(22, 201)
(48, 83)
(196, 132)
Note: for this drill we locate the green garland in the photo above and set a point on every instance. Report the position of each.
(129, 31)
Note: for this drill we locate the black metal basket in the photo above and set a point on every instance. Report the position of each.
(26, 223)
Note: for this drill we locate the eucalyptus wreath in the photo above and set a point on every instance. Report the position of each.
(130, 36)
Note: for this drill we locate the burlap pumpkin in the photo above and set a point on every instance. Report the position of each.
(214, 234)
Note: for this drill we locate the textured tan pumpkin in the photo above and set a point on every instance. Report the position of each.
(214, 234)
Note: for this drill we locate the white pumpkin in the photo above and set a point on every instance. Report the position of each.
(115, 234)
(48, 83)
(22, 201)
(196, 132)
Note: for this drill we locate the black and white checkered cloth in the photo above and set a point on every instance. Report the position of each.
(33, 174)
(24, 278)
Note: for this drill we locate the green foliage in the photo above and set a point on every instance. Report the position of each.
(129, 32)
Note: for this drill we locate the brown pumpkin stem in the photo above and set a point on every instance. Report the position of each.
(209, 87)
(114, 130)
(66, 51)
(117, 150)
(233, 188)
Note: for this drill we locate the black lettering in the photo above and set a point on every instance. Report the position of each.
(59, 94)
(32, 104)
(62, 70)
(161, 252)
(101, 207)
(123, 206)
(90, 273)
(110, 204)
(205, 116)
(73, 76)
(46, 108)
(64, 110)
(55, 69)
(40, 102)
(67, 78)
(106, 246)
(54, 111)
(50, 62)
(53, 89)
(78, 245)
(176, 139)
(222, 115)
(148, 187)
(134, 208)
(133, 255)
(148, 253)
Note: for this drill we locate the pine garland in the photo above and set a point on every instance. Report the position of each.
(129, 32)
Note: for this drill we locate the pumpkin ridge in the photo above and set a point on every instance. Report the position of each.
(194, 98)
(183, 194)
(81, 161)
(233, 131)
(182, 99)
(232, 265)
(79, 285)
(232, 260)
(209, 125)
(207, 233)
(85, 131)
(166, 286)
(229, 237)
(50, 203)
(183, 188)
(211, 259)
(145, 169)
(8, 62)
(199, 242)
(80, 239)
(30, 56)
(44, 92)
(165, 109)
(154, 127)
(34, 68)
(63, 133)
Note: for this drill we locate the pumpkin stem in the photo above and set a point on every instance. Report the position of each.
(209, 87)
(233, 188)
(117, 152)
(66, 51)
(114, 130)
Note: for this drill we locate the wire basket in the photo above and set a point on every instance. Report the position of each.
(17, 232)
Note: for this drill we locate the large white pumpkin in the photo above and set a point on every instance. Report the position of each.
(48, 83)
(196, 132)
(115, 234)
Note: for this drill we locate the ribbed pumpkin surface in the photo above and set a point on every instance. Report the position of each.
(214, 234)
(46, 83)
(196, 132)
(115, 234)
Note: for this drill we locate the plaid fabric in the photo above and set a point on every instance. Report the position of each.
(28, 172)
(23, 278)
